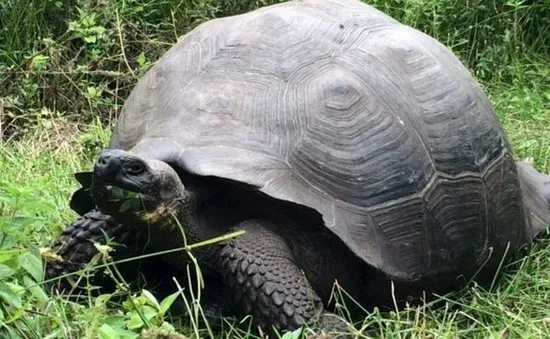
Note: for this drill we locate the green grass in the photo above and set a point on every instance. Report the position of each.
(65, 72)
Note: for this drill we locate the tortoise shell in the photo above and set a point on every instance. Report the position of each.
(333, 105)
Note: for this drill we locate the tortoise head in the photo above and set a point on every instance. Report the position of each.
(130, 187)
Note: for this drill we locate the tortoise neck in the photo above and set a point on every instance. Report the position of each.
(195, 214)
(188, 218)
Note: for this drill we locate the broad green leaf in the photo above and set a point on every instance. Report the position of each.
(8, 255)
(149, 312)
(126, 205)
(107, 332)
(39, 62)
(293, 335)
(126, 334)
(141, 60)
(102, 300)
(112, 332)
(130, 203)
(16, 288)
(135, 322)
(5, 271)
(167, 326)
(90, 39)
(117, 192)
(167, 302)
(115, 321)
(32, 264)
(9, 296)
(36, 290)
(151, 298)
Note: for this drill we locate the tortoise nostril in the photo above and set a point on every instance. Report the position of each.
(107, 166)
(103, 159)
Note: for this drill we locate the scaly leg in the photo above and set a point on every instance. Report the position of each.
(261, 273)
(76, 247)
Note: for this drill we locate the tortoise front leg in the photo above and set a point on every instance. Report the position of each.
(76, 247)
(265, 282)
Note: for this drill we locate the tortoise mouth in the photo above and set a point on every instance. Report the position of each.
(131, 204)
(121, 198)
(119, 192)
(115, 184)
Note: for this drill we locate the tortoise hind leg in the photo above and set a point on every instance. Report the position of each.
(542, 181)
(536, 196)
(261, 273)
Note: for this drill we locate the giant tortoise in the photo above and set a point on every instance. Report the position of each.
(351, 149)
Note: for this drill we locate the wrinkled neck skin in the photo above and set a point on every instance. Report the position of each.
(187, 215)
(201, 215)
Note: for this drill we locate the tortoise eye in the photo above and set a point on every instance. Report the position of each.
(135, 168)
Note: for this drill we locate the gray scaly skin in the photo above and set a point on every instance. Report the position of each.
(76, 246)
(275, 271)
